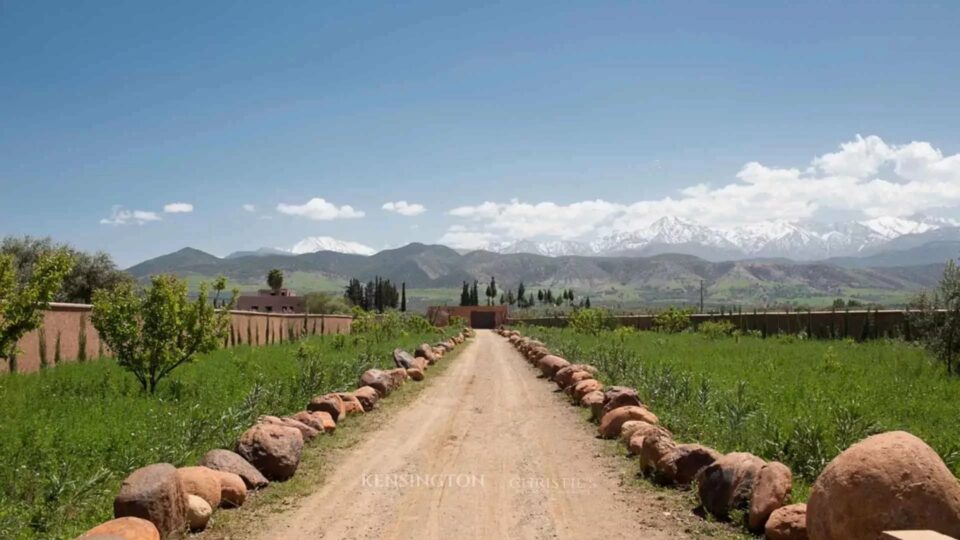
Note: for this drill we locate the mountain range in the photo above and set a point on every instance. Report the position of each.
(626, 281)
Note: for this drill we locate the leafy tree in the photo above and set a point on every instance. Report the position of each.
(154, 333)
(22, 302)
(89, 271)
(275, 279)
(935, 318)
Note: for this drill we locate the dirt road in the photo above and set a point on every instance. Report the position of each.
(487, 451)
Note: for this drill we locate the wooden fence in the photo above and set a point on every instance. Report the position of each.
(67, 335)
(855, 324)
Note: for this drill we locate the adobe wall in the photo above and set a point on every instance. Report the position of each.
(64, 321)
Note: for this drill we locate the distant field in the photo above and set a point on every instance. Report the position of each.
(71, 434)
(799, 402)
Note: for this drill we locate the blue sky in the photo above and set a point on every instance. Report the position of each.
(556, 114)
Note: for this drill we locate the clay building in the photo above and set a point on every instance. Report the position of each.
(272, 301)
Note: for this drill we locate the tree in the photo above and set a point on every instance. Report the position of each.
(321, 302)
(465, 295)
(475, 294)
(22, 303)
(403, 297)
(154, 333)
(275, 279)
(492, 290)
(510, 299)
(935, 318)
(90, 271)
(586, 303)
(521, 295)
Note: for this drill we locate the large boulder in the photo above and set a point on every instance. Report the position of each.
(155, 494)
(367, 396)
(310, 419)
(593, 400)
(125, 528)
(402, 359)
(655, 446)
(583, 388)
(421, 364)
(331, 404)
(619, 396)
(202, 482)
(681, 465)
(425, 351)
(351, 405)
(376, 379)
(227, 461)
(397, 377)
(787, 523)
(233, 492)
(771, 490)
(727, 483)
(198, 513)
(327, 421)
(580, 376)
(612, 421)
(564, 375)
(415, 374)
(274, 450)
(549, 365)
(891, 481)
(306, 431)
(641, 432)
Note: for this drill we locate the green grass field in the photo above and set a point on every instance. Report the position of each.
(71, 434)
(797, 401)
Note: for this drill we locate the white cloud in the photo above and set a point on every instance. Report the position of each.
(404, 208)
(320, 210)
(463, 239)
(249, 208)
(866, 176)
(121, 216)
(178, 208)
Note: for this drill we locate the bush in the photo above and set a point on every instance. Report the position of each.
(935, 319)
(672, 321)
(716, 329)
(591, 320)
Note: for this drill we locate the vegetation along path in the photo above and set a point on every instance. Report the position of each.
(486, 451)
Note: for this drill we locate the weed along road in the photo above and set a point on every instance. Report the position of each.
(486, 451)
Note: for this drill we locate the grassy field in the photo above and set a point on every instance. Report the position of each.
(71, 434)
(797, 401)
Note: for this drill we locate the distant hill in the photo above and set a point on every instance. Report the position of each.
(935, 252)
(612, 280)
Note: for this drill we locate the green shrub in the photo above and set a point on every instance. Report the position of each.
(591, 320)
(672, 321)
(716, 329)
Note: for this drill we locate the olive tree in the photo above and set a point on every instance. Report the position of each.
(153, 333)
(22, 301)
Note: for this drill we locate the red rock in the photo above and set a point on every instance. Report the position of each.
(425, 351)
(420, 363)
(367, 396)
(415, 374)
(612, 421)
(274, 450)
(198, 513)
(202, 482)
(654, 448)
(787, 523)
(727, 483)
(579, 376)
(583, 388)
(771, 490)
(635, 444)
(125, 528)
(233, 492)
(593, 400)
(309, 433)
(891, 481)
(618, 397)
(331, 404)
(376, 379)
(308, 418)
(351, 405)
(686, 460)
(155, 494)
(227, 461)
(549, 365)
(397, 377)
(327, 421)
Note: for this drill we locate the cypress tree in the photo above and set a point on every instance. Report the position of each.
(403, 296)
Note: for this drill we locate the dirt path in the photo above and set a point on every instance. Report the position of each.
(487, 451)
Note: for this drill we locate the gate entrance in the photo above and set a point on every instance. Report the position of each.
(483, 319)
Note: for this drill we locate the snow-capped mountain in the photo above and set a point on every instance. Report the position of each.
(313, 244)
(799, 241)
